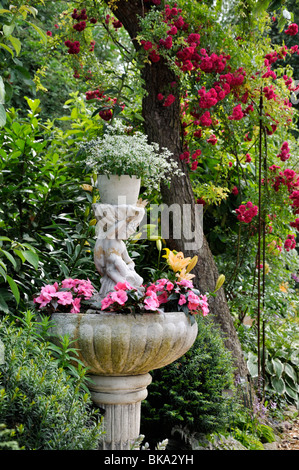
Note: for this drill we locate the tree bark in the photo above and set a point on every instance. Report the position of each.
(162, 125)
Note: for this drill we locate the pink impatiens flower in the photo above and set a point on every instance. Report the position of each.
(46, 294)
(193, 301)
(185, 283)
(151, 302)
(119, 296)
(64, 298)
(204, 305)
(182, 300)
(76, 306)
(106, 302)
(123, 286)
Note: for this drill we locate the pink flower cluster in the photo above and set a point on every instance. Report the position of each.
(292, 30)
(73, 47)
(246, 212)
(155, 297)
(79, 16)
(93, 94)
(108, 103)
(80, 26)
(288, 178)
(185, 156)
(237, 113)
(294, 196)
(269, 93)
(66, 297)
(284, 152)
(295, 224)
(290, 243)
(167, 101)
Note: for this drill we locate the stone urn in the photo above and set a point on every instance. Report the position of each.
(114, 189)
(119, 350)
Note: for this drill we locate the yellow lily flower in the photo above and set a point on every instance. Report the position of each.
(184, 275)
(192, 264)
(87, 187)
(176, 260)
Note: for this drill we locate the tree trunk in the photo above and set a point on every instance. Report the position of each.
(162, 125)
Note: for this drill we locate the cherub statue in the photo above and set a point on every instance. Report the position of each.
(115, 224)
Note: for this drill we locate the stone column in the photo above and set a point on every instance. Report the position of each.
(120, 397)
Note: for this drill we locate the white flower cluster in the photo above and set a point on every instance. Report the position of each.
(117, 153)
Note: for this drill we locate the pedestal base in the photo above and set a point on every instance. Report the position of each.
(120, 397)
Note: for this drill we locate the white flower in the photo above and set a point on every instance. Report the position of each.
(286, 14)
(119, 153)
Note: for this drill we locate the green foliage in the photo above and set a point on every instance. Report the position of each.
(7, 439)
(46, 220)
(47, 408)
(14, 19)
(188, 392)
(281, 360)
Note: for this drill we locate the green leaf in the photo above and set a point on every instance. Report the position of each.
(23, 71)
(10, 257)
(291, 383)
(281, 23)
(2, 91)
(6, 239)
(278, 385)
(20, 254)
(278, 367)
(14, 288)
(290, 371)
(8, 29)
(16, 44)
(252, 364)
(292, 393)
(40, 32)
(32, 258)
(4, 46)
(2, 116)
(3, 305)
(33, 104)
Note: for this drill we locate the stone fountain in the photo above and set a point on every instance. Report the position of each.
(121, 349)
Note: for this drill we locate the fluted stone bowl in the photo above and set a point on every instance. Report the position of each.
(115, 344)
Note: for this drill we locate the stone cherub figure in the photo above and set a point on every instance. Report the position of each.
(116, 223)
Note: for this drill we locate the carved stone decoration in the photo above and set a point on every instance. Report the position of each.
(116, 223)
(119, 351)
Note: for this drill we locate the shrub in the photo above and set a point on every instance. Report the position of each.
(188, 392)
(47, 408)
